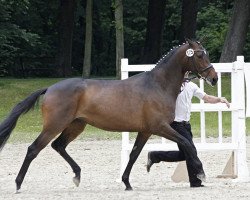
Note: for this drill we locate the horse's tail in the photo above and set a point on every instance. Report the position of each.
(23, 107)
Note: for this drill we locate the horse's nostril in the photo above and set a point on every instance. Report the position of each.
(214, 81)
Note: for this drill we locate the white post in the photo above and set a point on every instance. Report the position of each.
(234, 114)
(124, 64)
(124, 153)
(234, 99)
(202, 116)
(125, 135)
(239, 92)
(219, 112)
(247, 79)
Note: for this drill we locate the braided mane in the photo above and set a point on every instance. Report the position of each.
(167, 56)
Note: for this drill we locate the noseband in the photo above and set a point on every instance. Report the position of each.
(190, 54)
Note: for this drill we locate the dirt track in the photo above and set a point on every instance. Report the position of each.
(50, 178)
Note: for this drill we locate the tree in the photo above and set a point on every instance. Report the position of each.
(119, 36)
(88, 40)
(155, 22)
(237, 32)
(66, 25)
(188, 19)
(213, 29)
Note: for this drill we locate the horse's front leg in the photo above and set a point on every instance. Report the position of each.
(140, 141)
(191, 157)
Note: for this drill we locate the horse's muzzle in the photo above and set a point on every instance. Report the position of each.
(212, 81)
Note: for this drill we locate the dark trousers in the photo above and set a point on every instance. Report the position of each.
(183, 128)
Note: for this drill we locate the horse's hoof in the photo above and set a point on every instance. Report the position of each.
(202, 177)
(18, 187)
(128, 189)
(17, 192)
(76, 181)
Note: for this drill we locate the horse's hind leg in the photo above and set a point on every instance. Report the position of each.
(33, 150)
(140, 141)
(68, 135)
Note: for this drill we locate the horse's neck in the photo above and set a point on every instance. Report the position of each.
(170, 76)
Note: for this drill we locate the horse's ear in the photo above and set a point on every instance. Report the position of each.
(190, 42)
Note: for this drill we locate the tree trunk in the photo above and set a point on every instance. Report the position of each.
(188, 19)
(66, 25)
(98, 42)
(119, 36)
(237, 32)
(88, 40)
(155, 22)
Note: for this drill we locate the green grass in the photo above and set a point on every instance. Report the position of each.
(29, 125)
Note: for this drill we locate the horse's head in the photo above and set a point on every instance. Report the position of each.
(198, 62)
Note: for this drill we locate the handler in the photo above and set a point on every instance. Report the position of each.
(182, 126)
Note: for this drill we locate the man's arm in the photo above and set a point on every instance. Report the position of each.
(213, 99)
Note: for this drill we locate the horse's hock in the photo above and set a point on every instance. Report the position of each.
(236, 167)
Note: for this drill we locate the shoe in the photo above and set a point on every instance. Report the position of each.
(196, 185)
(149, 163)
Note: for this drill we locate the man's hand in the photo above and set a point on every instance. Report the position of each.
(224, 100)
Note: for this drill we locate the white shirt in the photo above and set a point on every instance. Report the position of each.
(184, 100)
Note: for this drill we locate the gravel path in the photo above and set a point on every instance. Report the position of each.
(49, 176)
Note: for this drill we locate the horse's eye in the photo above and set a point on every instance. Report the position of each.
(200, 54)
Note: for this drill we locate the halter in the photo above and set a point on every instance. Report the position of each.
(190, 54)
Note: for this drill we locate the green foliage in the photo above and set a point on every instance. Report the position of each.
(172, 25)
(29, 32)
(12, 37)
(212, 22)
(135, 24)
(20, 32)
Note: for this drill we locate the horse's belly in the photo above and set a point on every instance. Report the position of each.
(114, 121)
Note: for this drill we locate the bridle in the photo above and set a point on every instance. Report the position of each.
(190, 54)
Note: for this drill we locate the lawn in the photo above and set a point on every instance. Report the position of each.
(29, 125)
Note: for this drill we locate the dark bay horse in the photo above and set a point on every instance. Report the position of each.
(144, 103)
